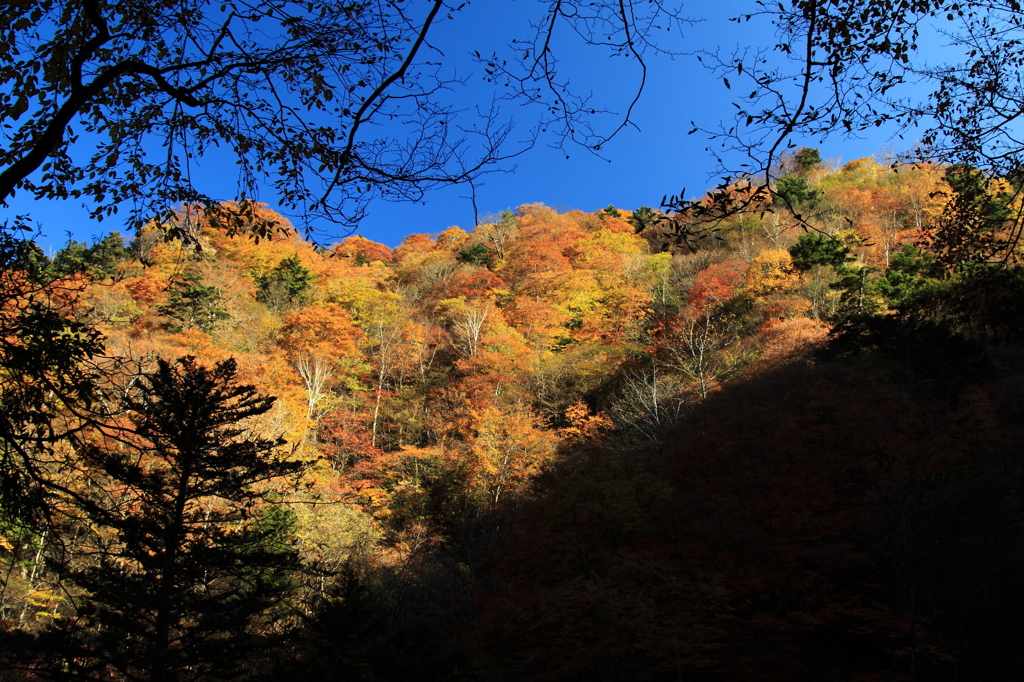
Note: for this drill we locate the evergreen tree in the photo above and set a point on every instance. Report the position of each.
(186, 560)
(285, 284)
(190, 304)
(642, 218)
(476, 254)
(795, 190)
(99, 261)
(807, 158)
(815, 248)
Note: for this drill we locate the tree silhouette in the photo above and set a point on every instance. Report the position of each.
(183, 560)
(294, 90)
(50, 377)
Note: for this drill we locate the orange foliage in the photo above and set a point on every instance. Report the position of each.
(509, 448)
(146, 290)
(781, 340)
(537, 320)
(582, 424)
(358, 247)
(326, 326)
(412, 245)
(469, 285)
(452, 239)
(616, 225)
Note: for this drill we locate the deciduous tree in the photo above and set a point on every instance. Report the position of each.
(322, 343)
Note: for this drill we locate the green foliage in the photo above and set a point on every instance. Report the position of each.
(972, 228)
(983, 303)
(794, 190)
(642, 218)
(477, 254)
(814, 248)
(807, 158)
(909, 281)
(285, 285)
(26, 256)
(857, 297)
(192, 305)
(98, 261)
(610, 210)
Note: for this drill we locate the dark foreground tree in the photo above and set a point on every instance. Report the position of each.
(849, 66)
(50, 378)
(184, 563)
(332, 103)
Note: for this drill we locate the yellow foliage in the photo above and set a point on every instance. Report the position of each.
(771, 272)
(452, 238)
(509, 448)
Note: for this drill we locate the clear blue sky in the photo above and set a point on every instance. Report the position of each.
(639, 167)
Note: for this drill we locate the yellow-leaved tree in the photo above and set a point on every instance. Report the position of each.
(509, 448)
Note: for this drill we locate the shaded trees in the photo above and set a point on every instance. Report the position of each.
(813, 521)
(51, 378)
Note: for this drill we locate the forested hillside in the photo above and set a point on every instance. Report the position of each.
(773, 442)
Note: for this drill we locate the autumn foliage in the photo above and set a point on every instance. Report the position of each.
(576, 445)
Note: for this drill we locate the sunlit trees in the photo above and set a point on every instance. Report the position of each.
(361, 250)
(507, 449)
(650, 401)
(455, 406)
(771, 271)
(693, 342)
(322, 344)
(466, 320)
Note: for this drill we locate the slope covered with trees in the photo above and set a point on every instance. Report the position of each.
(782, 443)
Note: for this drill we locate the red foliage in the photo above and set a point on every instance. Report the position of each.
(469, 284)
(718, 283)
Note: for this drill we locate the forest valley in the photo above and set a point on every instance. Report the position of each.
(780, 444)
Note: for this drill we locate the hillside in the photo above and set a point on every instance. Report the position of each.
(777, 442)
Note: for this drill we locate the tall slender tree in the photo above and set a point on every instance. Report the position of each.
(183, 560)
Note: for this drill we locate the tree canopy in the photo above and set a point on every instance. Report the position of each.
(297, 93)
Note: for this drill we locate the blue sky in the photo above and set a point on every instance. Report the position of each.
(638, 167)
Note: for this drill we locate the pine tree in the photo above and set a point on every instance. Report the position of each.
(186, 559)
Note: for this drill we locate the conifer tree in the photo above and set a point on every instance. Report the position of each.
(184, 560)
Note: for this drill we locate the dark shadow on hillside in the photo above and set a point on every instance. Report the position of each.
(853, 518)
